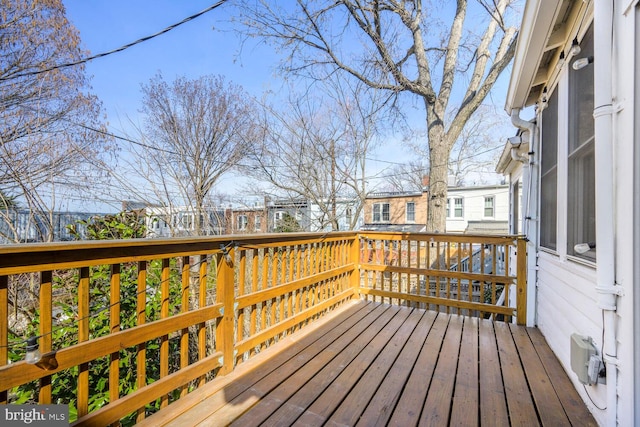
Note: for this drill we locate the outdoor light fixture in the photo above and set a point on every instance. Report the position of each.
(575, 48)
(579, 64)
(582, 248)
(33, 355)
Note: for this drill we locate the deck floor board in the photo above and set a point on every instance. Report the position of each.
(377, 364)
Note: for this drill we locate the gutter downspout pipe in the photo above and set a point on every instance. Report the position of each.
(605, 228)
(530, 199)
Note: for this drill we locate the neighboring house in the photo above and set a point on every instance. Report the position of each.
(576, 165)
(181, 221)
(288, 215)
(478, 210)
(395, 211)
(345, 212)
(24, 226)
(304, 215)
(246, 220)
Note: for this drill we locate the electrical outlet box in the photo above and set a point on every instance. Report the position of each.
(582, 350)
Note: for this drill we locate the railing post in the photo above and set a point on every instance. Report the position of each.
(355, 260)
(4, 330)
(521, 281)
(225, 294)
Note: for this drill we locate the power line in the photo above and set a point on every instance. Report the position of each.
(120, 49)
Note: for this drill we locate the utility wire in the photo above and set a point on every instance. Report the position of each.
(120, 49)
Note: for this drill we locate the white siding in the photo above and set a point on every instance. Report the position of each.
(473, 205)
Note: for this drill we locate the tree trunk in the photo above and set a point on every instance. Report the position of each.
(438, 178)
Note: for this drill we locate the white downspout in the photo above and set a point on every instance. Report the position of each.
(605, 228)
(529, 228)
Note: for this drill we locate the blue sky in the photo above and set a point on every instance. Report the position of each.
(205, 45)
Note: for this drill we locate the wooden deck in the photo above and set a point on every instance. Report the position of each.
(377, 364)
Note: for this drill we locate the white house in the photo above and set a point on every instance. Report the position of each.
(575, 164)
(181, 221)
(478, 209)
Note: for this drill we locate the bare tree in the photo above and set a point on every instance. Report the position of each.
(410, 177)
(48, 138)
(314, 148)
(396, 47)
(194, 132)
(475, 153)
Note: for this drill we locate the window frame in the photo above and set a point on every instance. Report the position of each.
(492, 207)
(242, 222)
(379, 211)
(458, 207)
(410, 212)
(549, 172)
(581, 215)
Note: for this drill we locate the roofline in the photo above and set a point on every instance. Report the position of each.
(537, 22)
(478, 187)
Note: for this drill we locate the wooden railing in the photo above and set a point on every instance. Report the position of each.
(464, 274)
(127, 327)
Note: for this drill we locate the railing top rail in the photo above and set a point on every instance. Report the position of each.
(26, 258)
(440, 237)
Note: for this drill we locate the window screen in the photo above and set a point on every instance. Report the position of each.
(581, 208)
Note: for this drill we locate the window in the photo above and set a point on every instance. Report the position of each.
(581, 203)
(458, 211)
(242, 222)
(186, 221)
(488, 206)
(516, 200)
(258, 223)
(549, 174)
(411, 212)
(448, 210)
(381, 212)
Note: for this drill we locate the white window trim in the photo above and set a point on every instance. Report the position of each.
(242, 226)
(381, 208)
(493, 207)
(452, 208)
(407, 212)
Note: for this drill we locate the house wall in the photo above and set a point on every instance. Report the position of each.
(233, 226)
(397, 207)
(473, 199)
(346, 210)
(566, 299)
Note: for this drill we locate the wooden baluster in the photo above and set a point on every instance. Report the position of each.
(141, 357)
(4, 330)
(290, 267)
(274, 282)
(165, 277)
(83, 335)
(184, 337)
(254, 288)
(266, 258)
(114, 327)
(46, 328)
(225, 295)
(494, 268)
(202, 302)
(448, 267)
(521, 282)
(240, 333)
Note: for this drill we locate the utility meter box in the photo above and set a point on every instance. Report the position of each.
(582, 349)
